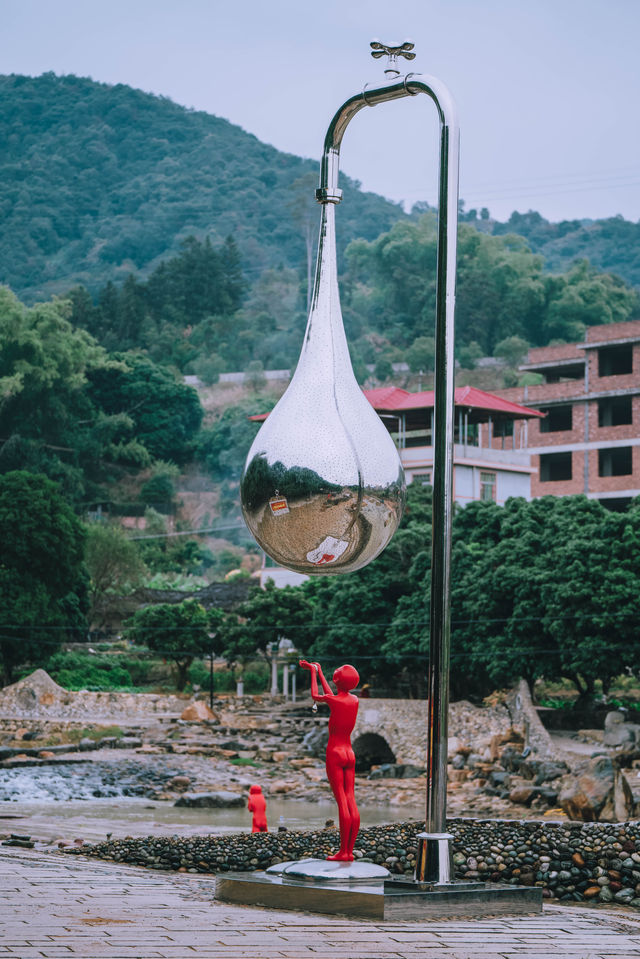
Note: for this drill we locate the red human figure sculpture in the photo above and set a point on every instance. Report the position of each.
(341, 761)
(258, 806)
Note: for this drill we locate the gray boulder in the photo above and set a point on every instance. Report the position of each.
(215, 800)
(618, 732)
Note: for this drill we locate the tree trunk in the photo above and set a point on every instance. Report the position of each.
(7, 668)
(182, 672)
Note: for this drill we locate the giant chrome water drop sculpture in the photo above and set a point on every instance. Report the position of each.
(323, 488)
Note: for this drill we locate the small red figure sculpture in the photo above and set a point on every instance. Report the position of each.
(341, 761)
(258, 806)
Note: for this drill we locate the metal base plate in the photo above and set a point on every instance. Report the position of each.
(379, 900)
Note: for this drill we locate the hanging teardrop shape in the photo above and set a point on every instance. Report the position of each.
(323, 488)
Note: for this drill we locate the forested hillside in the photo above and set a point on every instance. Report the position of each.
(100, 181)
(612, 245)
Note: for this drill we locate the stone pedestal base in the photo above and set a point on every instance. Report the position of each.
(378, 898)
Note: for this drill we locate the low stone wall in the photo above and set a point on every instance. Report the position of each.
(576, 862)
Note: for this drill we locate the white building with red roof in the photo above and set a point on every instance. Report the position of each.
(491, 460)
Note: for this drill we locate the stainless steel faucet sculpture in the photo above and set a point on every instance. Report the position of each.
(323, 489)
(392, 52)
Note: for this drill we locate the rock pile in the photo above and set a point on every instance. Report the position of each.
(507, 770)
(573, 862)
(38, 696)
(601, 792)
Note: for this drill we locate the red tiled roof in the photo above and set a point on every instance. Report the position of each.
(393, 399)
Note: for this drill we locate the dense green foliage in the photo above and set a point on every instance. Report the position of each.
(502, 292)
(266, 617)
(114, 565)
(79, 670)
(165, 414)
(180, 234)
(43, 583)
(48, 423)
(181, 312)
(546, 588)
(78, 415)
(612, 244)
(178, 631)
(100, 181)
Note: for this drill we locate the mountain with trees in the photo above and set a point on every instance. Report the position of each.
(102, 181)
(612, 244)
(503, 290)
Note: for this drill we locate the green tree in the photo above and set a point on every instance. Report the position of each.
(546, 588)
(383, 369)
(43, 582)
(48, 423)
(513, 350)
(421, 354)
(164, 412)
(179, 632)
(114, 564)
(262, 620)
(160, 488)
(254, 376)
(469, 355)
(586, 297)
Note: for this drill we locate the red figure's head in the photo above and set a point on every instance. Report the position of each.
(254, 790)
(346, 678)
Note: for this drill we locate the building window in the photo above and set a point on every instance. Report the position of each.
(488, 486)
(615, 411)
(558, 418)
(618, 504)
(555, 467)
(422, 479)
(615, 360)
(615, 462)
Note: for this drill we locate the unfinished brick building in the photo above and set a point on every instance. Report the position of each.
(589, 440)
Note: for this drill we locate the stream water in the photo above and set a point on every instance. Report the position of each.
(89, 800)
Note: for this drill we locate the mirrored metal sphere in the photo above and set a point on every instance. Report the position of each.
(323, 488)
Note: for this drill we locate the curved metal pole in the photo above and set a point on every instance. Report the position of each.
(435, 860)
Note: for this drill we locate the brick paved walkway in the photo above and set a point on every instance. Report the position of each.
(53, 905)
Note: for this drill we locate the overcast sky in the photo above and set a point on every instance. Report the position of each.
(548, 91)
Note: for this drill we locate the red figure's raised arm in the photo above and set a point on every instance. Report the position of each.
(315, 670)
(325, 685)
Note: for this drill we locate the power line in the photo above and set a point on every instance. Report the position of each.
(191, 532)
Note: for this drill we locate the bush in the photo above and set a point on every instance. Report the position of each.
(255, 680)
(94, 678)
(80, 670)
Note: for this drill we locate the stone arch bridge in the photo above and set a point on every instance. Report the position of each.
(395, 730)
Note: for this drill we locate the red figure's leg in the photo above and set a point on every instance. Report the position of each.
(340, 780)
(354, 815)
